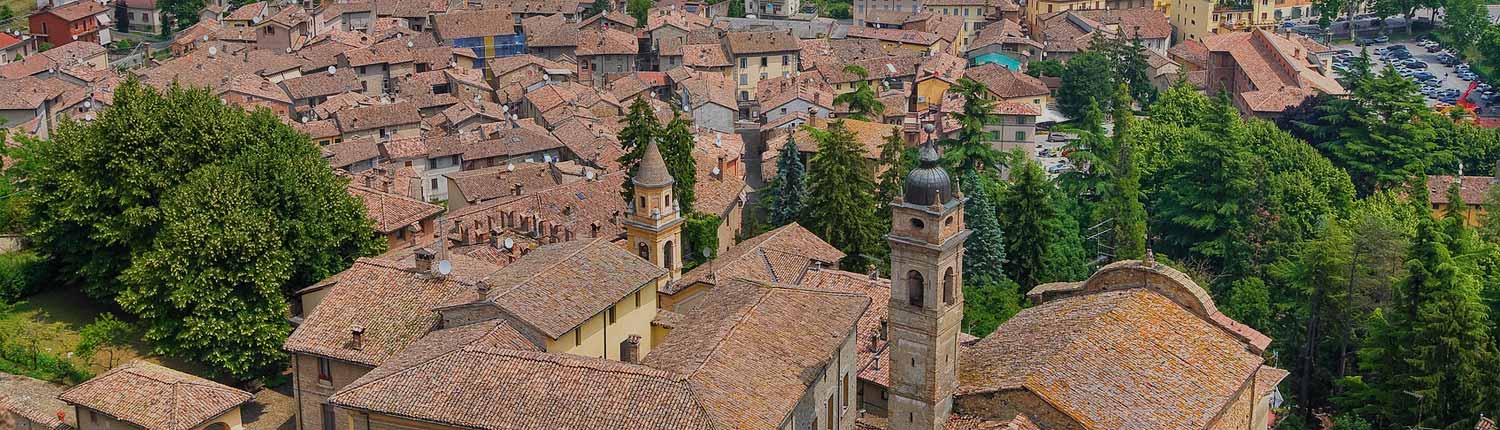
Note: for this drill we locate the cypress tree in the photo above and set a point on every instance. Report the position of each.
(640, 127)
(1123, 197)
(990, 297)
(677, 151)
(841, 197)
(789, 187)
(892, 179)
(1028, 209)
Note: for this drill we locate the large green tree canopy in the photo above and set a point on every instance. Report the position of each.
(195, 216)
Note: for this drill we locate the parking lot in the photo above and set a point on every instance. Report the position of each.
(1441, 88)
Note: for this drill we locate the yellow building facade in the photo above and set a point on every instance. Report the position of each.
(1037, 8)
(973, 15)
(602, 335)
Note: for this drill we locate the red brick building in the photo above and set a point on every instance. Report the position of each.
(71, 22)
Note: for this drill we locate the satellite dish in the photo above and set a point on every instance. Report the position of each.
(510, 167)
(213, 50)
(589, 175)
(332, 69)
(445, 267)
(409, 44)
(509, 243)
(205, 38)
(716, 170)
(706, 252)
(288, 49)
(88, 104)
(547, 158)
(504, 108)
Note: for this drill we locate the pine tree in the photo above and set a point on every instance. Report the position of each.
(893, 177)
(1136, 71)
(984, 255)
(640, 127)
(1122, 199)
(841, 197)
(863, 103)
(1380, 134)
(971, 150)
(789, 188)
(1319, 274)
(1207, 201)
(1028, 210)
(1067, 259)
(677, 151)
(990, 297)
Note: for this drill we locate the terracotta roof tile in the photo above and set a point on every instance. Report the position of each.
(377, 116)
(607, 41)
(1005, 83)
(77, 10)
(783, 336)
(392, 304)
(462, 24)
(705, 55)
(1113, 359)
(760, 42)
(912, 37)
(1473, 189)
(393, 212)
(495, 182)
(781, 255)
(155, 397)
(559, 286)
(869, 344)
(37, 401)
(490, 387)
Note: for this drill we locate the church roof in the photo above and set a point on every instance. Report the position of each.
(751, 350)
(1126, 358)
(780, 255)
(653, 169)
(559, 286)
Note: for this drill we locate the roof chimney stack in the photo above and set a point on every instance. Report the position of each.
(357, 337)
(424, 259)
(630, 351)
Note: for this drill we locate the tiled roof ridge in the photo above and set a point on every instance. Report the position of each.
(417, 365)
(132, 369)
(579, 362)
(539, 272)
(760, 252)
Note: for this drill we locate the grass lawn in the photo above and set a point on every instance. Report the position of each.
(61, 313)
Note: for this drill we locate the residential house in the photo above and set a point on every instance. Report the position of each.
(142, 16)
(1473, 189)
(31, 404)
(308, 91)
(15, 47)
(487, 33)
(360, 318)
(527, 69)
(1011, 86)
(404, 221)
(759, 55)
(58, 25)
(1011, 126)
(1004, 43)
(666, 32)
(248, 15)
(605, 52)
(804, 93)
(285, 31)
(1199, 19)
(1068, 33)
(252, 91)
(775, 9)
(783, 255)
(1265, 73)
(552, 37)
(376, 65)
(708, 96)
(616, 19)
(31, 99)
(975, 13)
(382, 122)
(720, 188)
(147, 396)
(477, 186)
(708, 57)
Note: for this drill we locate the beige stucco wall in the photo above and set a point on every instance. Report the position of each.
(747, 77)
(597, 337)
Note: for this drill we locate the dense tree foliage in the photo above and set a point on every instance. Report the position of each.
(788, 192)
(893, 165)
(840, 202)
(641, 126)
(677, 150)
(1382, 134)
(990, 296)
(1028, 209)
(197, 217)
(970, 150)
(1122, 197)
(1088, 78)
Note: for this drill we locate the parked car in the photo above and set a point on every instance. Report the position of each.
(1383, 39)
(1364, 41)
(1416, 64)
(1057, 137)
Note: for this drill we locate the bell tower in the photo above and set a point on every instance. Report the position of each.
(927, 303)
(652, 222)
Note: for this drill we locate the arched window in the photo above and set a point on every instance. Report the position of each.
(645, 252)
(642, 206)
(948, 286)
(914, 288)
(668, 257)
(666, 200)
(917, 224)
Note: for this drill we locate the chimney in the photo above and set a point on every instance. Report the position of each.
(720, 169)
(385, 186)
(630, 351)
(424, 258)
(357, 337)
(369, 181)
(482, 287)
(884, 328)
(515, 190)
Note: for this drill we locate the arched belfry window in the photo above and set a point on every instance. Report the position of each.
(948, 281)
(640, 247)
(914, 288)
(668, 257)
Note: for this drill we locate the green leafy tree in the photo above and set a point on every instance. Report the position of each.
(1050, 68)
(1122, 198)
(106, 334)
(1088, 76)
(677, 150)
(181, 13)
(639, 9)
(840, 205)
(640, 128)
(1464, 23)
(1405, 8)
(863, 103)
(1249, 302)
(1380, 134)
(106, 206)
(789, 187)
(736, 8)
(893, 176)
(1028, 210)
(1067, 258)
(1489, 48)
(1319, 274)
(970, 150)
(1206, 203)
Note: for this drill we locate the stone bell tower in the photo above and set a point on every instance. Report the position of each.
(653, 223)
(927, 302)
